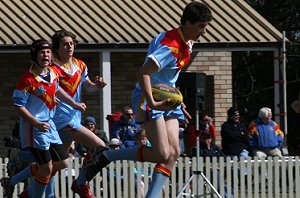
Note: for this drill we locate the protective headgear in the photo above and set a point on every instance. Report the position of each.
(38, 45)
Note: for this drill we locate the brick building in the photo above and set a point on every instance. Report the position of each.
(113, 39)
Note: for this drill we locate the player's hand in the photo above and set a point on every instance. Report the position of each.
(163, 105)
(80, 106)
(42, 126)
(99, 81)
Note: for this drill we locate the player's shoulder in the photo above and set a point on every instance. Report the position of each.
(172, 38)
(79, 63)
(27, 76)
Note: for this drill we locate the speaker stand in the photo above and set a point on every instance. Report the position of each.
(197, 172)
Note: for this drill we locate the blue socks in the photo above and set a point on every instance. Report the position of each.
(36, 189)
(122, 154)
(21, 176)
(157, 184)
(50, 189)
(81, 179)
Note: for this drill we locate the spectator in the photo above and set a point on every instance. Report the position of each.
(205, 125)
(126, 128)
(207, 147)
(141, 138)
(91, 124)
(114, 144)
(266, 137)
(235, 139)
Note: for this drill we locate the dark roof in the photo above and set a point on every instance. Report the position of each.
(127, 21)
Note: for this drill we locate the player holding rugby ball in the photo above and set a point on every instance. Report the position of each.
(168, 53)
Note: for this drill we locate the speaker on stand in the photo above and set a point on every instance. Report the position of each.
(192, 85)
(193, 88)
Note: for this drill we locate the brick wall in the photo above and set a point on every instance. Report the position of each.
(12, 67)
(216, 65)
(124, 69)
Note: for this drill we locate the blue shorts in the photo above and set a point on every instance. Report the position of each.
(33, 137)
(67, 125)
(144, 113)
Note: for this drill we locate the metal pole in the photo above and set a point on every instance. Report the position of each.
(284, 82)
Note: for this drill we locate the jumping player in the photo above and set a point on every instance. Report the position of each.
(74, 78)
(35, 99)
(168, 53)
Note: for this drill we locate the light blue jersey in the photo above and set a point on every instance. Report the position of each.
(39, 98)
(171, 53)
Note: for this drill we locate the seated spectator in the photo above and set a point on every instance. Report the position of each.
(207, 147)
(266, 138)
(114, 144)
(141, 138)
(235, 139)
(205, 125)
(126, 128)
(91, 124)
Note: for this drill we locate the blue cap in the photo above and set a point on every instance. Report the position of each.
(90, 119)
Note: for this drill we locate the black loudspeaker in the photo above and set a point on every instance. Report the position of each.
(193, 88)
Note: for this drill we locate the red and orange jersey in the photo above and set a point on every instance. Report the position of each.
(34, 85)
(70, 78)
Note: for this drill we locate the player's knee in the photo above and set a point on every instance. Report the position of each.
(64, 164)
(45, 169)
(176, 153)
(163, 155)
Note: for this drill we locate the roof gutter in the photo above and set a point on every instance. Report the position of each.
(144, 46)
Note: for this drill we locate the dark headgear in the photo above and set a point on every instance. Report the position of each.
(206, 135)
(38, 45)
(90, 119)
(232, 111)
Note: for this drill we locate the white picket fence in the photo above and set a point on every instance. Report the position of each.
(252, 178)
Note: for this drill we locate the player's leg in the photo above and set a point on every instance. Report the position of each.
(82, 135)
(50, 189)
(41, 172)
(156, 153)
(60, 161)
(87, 138)
(162, 171)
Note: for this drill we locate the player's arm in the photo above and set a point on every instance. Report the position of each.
(144, 80)
(26, 115)
(62, 95)
(90, 86)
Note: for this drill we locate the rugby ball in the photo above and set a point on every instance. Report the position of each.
(163, 92)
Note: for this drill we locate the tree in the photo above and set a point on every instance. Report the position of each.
(253, 71)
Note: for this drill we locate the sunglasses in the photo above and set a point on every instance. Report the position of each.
(129, 114)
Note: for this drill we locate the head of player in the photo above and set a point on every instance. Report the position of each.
(64, 43)
(194, 20)
(41, 53)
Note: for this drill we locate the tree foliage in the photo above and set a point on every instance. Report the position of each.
(253, 71)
